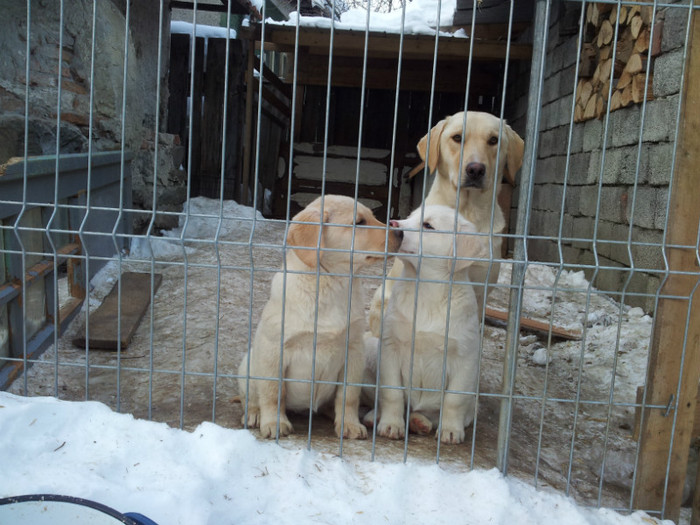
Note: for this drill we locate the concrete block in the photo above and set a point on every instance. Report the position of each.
(660, 160)
(550, 90)
(647, 250)
(675, 28)
(568, 80)
(624, 126)
(576, 145)
(621, 165)
(660, 119)
(553, 142)
(592, 135)
(613, 203)
(588, 203)
(646, 207)
(569, 51)
(563, 112)
(572, 197)
(578, 168)
(594, 167)
(667, 73)
(550, 170)
(548, 197)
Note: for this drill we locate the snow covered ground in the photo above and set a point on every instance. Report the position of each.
(564, 434)
(218, 476)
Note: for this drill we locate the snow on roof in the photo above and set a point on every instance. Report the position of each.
(421, 17)
(203, 31)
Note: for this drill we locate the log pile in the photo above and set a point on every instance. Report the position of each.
(623, 60)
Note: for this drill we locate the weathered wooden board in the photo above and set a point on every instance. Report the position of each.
(104, 331)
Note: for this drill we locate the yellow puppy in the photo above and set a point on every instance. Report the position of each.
(329, 255)
(469, 184)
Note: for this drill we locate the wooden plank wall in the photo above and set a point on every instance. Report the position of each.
(208, 104)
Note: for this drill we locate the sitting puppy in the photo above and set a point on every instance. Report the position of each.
(442, 292)
(313, 301)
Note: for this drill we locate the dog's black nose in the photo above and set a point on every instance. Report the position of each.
(475, 171)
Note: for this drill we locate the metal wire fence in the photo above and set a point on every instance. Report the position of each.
(587, 382)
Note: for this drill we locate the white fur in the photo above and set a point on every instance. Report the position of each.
(436, 300)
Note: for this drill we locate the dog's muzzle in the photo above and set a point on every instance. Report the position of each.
(474, 175)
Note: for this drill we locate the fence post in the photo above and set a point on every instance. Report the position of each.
(674, 362)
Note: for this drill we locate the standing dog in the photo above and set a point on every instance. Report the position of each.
(442, 297)
(466, 175)
(313, 302)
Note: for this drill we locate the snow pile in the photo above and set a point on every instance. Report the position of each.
(201, 219)
(219, 476)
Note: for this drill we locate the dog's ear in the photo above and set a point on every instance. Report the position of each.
(470, 244)
(305, 235)
(514, 155)
(433, 151)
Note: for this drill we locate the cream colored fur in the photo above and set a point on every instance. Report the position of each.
(479, 144)
(334, 296)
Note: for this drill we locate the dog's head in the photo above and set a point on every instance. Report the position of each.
(440, 234)
(477, 142)
(326, 235)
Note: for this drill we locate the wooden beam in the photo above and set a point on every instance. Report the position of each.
(674, 364)
(416, 75)
(534, 325)
(349, 42)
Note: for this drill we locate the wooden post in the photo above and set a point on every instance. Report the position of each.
(659, 439)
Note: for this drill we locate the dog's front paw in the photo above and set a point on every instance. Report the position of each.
(268, 430)
(452, 435)
(253, 420)
(419, 424)
(351, 430)
(392, 429)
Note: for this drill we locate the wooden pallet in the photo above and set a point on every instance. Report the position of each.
(104, 331)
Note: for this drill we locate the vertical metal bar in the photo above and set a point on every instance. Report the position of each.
(56, 320)
(539, 49)
(193, 48)
(154, 207)
(388, 218)
(81, 231)
(117, 222)
(16, 226)
(221, 212)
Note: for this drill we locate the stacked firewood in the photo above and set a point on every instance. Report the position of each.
(622, 60)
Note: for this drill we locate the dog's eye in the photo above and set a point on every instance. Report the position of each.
(427, 226)
(360, 222)
(493, 141)
(457, 138)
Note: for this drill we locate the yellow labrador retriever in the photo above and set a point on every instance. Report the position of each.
(415, 350)
(313, 300)
(466, 176)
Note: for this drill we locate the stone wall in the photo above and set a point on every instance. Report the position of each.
(135, 126)
(604, 201)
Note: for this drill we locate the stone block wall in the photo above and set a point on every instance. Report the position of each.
(72, 55)
(601, 186)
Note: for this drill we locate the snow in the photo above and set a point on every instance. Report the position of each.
(421, 17)
(217, 476)
(203, 31)
(221, 302)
